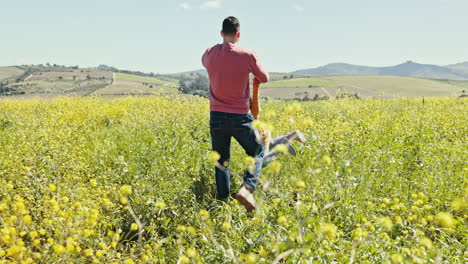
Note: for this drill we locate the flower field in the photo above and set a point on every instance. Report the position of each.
(128, 180)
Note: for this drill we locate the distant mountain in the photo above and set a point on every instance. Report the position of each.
(340, 69)
(408, 69)
(460, 67)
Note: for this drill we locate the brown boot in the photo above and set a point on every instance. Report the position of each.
(245, 197)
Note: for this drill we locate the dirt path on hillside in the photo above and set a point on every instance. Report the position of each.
(27, 78)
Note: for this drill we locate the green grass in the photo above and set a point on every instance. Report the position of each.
(301, 83)
(135, 78)
(396, 86)
(45, 86)
(7, 72)
(375, 181)
(278, 76)
(365, 86)
(463, 84)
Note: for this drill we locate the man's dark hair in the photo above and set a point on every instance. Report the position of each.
(231, 25)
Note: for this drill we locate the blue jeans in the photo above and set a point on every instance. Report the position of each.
(224, 126)
(271, 156)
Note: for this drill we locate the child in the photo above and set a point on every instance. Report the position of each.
(270, 144)
(244, 196)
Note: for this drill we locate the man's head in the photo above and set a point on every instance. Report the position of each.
(231, 29)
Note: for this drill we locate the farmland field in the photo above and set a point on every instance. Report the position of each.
(301, 82)
(127, 84)
(365, 86)
(127, 180)
(152, 80)
(7, 72)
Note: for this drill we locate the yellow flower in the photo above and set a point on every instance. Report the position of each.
(293, 108)
(250, 258)
(250, 160)
(281, 148)
(426, 242)
(257, 124)
(191, 252)
(398, 220)
(160, 205)
(225, 226)
(33, 234)
(445, 220)
(385, 222)
(204, 214)
(27, 219)
(419, 202)
(15, 251)
(282, 220)
(214, 156)
(59, 249)
(134, 227)
(184, 259)
(359, 234)
(459, 204)
(129, 261)
(52, 187)
(126, 189)
(88, 252)
(124, 199)
(397, 258)
(307, 123)
(275, 166)
(300, 184)
(191, 230)
(93, 182)
(328, 230)
(181, 228)
(326, 161)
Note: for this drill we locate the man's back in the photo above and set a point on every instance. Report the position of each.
(228, 68)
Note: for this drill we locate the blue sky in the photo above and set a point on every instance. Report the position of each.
(171, 35)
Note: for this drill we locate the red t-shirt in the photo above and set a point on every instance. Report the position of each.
(228, 68)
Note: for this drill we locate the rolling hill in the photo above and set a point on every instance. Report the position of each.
(407, 69)
(460, 67)
(49, 81)
(364, 86)
(8, 72)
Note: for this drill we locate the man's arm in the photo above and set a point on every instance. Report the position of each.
(205, 58)
(261, 75)
(254, 103)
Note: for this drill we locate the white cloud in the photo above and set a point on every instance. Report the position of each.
(298, 8)
(184, 5)
(211, 4)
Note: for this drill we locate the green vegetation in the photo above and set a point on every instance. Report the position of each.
(396, 86)
(135, 78)
(127, 180)
(456, 83)
(7, 72)
(301, 83)
(365, 86)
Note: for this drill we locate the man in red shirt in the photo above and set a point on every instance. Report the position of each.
(228, 67)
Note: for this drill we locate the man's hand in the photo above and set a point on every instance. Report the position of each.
(255, 105)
